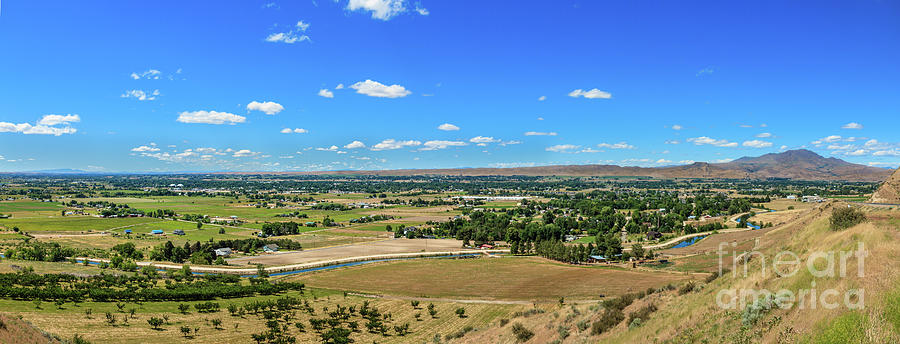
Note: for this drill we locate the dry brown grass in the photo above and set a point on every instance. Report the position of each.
(509, 278)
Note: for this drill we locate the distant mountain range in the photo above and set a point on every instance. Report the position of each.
(798, 164)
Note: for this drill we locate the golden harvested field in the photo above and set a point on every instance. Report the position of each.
(342, 250)
(506, 278)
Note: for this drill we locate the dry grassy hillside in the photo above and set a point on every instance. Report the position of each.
(693, 316)
(889, 192)
(16, 331)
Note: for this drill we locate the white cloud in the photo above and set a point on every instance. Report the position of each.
(326, 93)
(448, 127)
(355, 145)
(620, 145)
(295, 131)
(149, 74)
(890, 152)
(292, 36)
(672, 142)
(542, 98)
(270, 108)
(441, 144)
(377, 89)
(43, 127)
(756, 144)
(58, 119)
(677, 127)
(333, 148)
(394, 144)
(663, 161)
(835, 146)
(592, 94)
(381, 9)
(589, 150)
(857, 152)
(539, 133)
(706, 71)
(562, 148)
(686, 162)
(852, 125)
(244, 153)
(764, 135)
(783, 147)
(339, 87)
(422, 10)
(145, 149)
(210, 117)
(723, 160)
(141, 95)
(483, 139)
(703, 140)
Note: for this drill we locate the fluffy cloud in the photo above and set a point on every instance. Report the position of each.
(852, 125)
(244, 153)
(620, 145)
(270, 108)
(295, 131)
(44, 126)
(704, 140)
(592, 94)
(333, 148)
(483, 139)
(756, 144)
(440, 144)
(663, 161)
(210, 117)
(539, 133)
(763, 135)
(141, 95)
(448, 127)
(149, 74)
(377, 89)
(672, 142)
(394, 144)
(542, 98)
(292, 36)
(326, 93)
(562, 148)
(381, 9)
(150, 148)
(355, 145)
(58, 119)
(676, 127)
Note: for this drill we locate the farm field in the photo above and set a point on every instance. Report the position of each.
(72, 320)
(375, 247)
(505, 278)
(72, 223)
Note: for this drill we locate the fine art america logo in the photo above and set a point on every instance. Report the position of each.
(819, 265)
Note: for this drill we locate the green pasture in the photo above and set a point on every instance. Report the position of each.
(72, 223)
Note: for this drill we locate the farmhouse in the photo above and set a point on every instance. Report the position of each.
(223, 252)
(270, 248)
(178, 232)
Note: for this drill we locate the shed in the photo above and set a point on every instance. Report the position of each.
(223, 252)
(156, 231)
(270, 248)
(178, 232)
(127, 231)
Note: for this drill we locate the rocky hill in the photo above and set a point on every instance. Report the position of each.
(889, 192)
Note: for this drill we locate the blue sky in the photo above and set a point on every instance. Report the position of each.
(383, 84)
